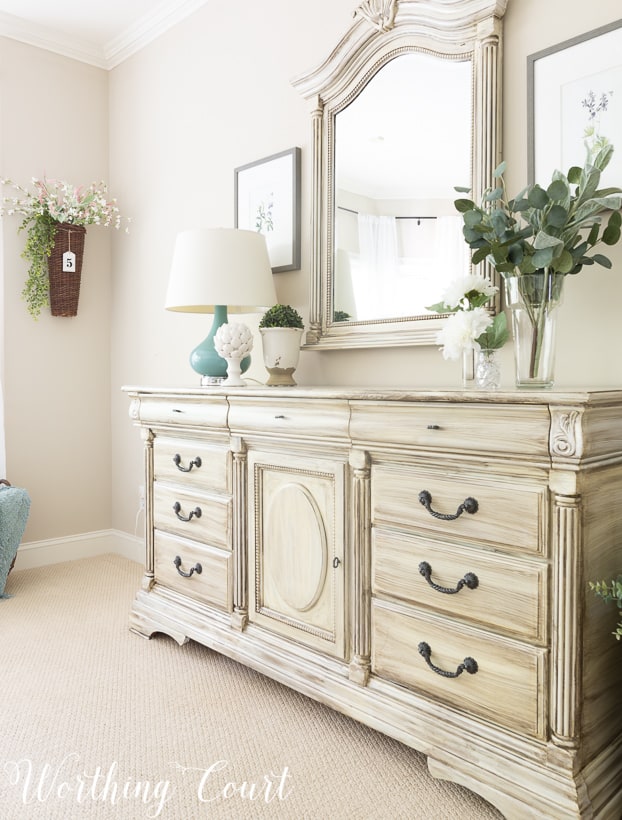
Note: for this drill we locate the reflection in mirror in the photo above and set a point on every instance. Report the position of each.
(401, 146)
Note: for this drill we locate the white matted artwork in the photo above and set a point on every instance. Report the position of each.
(267, 200)
(575, 101)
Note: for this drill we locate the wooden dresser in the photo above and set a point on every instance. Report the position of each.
(417, 560)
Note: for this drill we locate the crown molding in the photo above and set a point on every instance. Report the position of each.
(153, 24)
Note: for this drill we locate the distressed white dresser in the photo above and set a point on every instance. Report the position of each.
(417, 560)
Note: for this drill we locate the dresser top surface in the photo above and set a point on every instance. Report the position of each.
(558, 396)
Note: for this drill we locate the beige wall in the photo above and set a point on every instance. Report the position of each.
(211, 94)
(54, 121)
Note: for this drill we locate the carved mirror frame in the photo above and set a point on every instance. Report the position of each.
(382, 30)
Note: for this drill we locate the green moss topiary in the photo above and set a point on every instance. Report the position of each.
(281, 316)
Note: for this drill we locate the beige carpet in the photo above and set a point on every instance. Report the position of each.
(97, 722)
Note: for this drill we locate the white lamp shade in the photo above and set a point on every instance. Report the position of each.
(220, 266)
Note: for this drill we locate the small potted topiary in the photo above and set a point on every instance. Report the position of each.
(281, 328)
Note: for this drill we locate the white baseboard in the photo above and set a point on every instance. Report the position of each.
(54, 550)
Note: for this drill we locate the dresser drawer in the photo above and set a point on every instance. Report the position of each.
(207, 571)
(324, 418)
(521, 431)
(510, 515)
(506, 593)
(507, 688)
(191, 463)
(209, 515)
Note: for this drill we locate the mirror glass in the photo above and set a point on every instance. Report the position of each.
(406, 107)
(400, 147)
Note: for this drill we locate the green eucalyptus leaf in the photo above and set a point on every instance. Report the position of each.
(602, 260)
(592, 237)
(480, 255)
(565, 263)
(495, 194)
(545, 240)
(464, 205)
(611, 235)
(500, 169)
(542, 258)
(574, 175)
(472, 218)
(558, 190)
(462, 190)
(615, 220)
(557, 216)
(537, 197)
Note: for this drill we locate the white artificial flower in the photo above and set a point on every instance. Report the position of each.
(457, 289)
(461, 330)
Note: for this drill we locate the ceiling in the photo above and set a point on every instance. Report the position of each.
(100, 32)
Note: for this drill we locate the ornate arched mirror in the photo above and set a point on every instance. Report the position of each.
(406, 107)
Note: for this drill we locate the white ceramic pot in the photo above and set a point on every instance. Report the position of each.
(281, 351)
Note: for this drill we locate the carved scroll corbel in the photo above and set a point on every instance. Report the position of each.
(566, 437)
(378, 13)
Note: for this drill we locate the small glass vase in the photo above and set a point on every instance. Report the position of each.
(533, 299)
(487, 370)
(468, 368)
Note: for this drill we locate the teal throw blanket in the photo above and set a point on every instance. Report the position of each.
(14, 509)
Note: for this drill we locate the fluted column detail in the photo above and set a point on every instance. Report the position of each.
(566, 673)
(239, 618)
(361, 566)
(315, 308)
(148, 437)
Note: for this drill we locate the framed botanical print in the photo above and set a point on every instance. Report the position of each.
(267, 200)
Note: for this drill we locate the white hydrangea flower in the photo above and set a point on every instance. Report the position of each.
(458, 288)
(461, 330)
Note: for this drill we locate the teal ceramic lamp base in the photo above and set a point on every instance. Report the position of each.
(205, 360)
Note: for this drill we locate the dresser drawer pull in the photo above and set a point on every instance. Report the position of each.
(279, 417)
(196, 568)
(469, 580)
(177, 510)
(468, 664)
(434, 427)
(196, 462)
(469, 505)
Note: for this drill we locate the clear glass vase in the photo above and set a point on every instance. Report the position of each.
(487, 370)
(533, 299)
(468, 368)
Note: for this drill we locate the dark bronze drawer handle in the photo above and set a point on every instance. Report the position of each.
(468, 664)
(469, 505)
(196, 568)
(469, 580)
(177, 510)
(196, 462)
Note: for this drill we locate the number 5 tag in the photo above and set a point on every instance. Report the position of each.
(69, 262)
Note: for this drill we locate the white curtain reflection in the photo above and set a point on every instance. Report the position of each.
(451, 251)
(374, 279)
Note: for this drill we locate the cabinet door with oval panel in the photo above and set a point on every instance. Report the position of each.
(296, 535)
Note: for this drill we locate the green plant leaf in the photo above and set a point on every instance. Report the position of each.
(558, 190)
(500, 169)
(464, 205)
(557, 216)
(574, 175)
(602, 260)
(611, 235)
(537, 197)
(462, 190)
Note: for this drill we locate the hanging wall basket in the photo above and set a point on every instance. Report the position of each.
(65, 268)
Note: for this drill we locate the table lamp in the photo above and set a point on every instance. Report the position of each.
(216, 270)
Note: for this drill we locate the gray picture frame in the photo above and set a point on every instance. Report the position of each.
(267, 199)
(539, 59)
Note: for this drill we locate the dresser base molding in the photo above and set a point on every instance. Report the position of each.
(512, 773)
